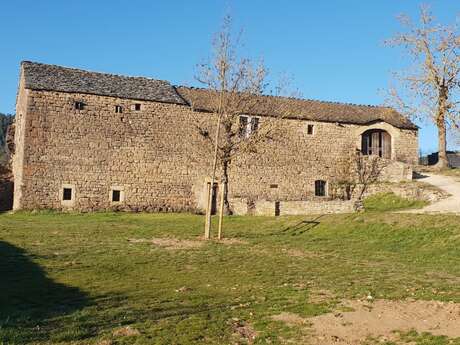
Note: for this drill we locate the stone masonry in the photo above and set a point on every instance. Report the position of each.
(153, 155)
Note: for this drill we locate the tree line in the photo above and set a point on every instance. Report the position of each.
(5, 121)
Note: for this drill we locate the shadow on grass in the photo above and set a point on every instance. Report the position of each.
(27, 296)
(302, 226)
(296, 229)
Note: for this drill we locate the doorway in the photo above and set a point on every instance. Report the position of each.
(215, 190)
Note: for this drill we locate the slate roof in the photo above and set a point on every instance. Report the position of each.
(305, 109)
(40, 76)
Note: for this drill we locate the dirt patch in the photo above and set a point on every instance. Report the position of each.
(243, 330)
(321, 296)
(127, 331)
(289, 319)
(170, 243)
(230, 241)
(382, 318)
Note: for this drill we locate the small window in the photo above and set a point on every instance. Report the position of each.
(137, 107)
(273, 186)
(79, 105)
(310, 129)
(320, 188)
(118, 109)
(67, 194)
(116, 195)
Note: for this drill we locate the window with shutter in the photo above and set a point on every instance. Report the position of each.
(320, 188)
(248, 125)
(244, 120)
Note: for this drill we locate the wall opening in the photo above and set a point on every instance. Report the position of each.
(66, 194)
(116, 196)
(79, 105)
(376, 142)
(320, 188)
(277, 208)
(213, 197)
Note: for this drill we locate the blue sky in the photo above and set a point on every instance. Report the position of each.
(333, 49)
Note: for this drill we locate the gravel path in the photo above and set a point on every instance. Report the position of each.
(449, 205)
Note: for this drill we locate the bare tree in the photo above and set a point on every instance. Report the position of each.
(344, 182)
(430, 88)
(355, 173)
(368, 170)
(236, 90)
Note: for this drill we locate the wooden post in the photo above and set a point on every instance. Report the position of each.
(221, 210)
(207, 226)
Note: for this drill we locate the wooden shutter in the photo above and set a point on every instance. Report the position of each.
(320, 188)
(365, 144)
(386, 145)
(243, 126)
(254, 124)
(375, 143)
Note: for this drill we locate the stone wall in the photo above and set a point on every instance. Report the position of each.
(291, 207)
(156, 158)
(412, 190)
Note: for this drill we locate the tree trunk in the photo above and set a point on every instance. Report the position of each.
(441, 124)
(227, 210)
(442, 145)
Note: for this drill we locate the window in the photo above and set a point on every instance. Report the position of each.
(79, 105)
(310, 129)
(320, 188)
(116, 195)
(118, 109)
(137, 107)
(66, 194)
(248, 125)
(376, 142)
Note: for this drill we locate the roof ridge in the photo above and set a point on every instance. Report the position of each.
(302, 99)
(40, 76)
(95, 72)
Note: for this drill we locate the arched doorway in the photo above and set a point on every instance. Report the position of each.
(376, 142)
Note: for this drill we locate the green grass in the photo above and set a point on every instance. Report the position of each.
(390, 202)
(75, 278)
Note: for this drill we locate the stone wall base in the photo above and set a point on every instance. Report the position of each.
(242, 206)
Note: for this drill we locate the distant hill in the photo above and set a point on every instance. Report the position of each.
(5, 121)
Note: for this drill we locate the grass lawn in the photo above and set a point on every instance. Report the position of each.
(382, 202)
(77, 279)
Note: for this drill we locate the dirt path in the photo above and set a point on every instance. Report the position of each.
(449, 205)
(382, 318)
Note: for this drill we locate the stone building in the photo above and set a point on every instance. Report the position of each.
(94, 141)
